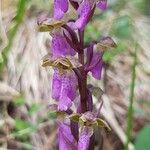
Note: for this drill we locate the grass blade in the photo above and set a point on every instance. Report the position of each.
(131, 98)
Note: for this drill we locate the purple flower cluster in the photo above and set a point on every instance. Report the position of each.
(72, 61)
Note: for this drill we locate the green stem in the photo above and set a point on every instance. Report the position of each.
(131, 98)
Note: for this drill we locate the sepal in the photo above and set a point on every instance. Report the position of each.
(96, 91)
(49, 24)
(105, 44)
(62, 63)
(102, 124)
(75, 117)
(89, 119)
(59, 114)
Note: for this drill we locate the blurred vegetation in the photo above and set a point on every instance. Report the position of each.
(17, 20)
(142, 139)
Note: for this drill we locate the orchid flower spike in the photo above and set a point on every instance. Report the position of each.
(72, 62)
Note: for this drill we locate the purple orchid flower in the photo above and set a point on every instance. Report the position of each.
(85, 11)
(96, 66)
(65, 137)
(64, 88)
(102, 4)
(67, 141)
(60, 47)
(60, 8)
(84, 138)
(94, 61)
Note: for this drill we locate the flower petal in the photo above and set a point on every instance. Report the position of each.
(60, 8)
(84, 11)
(41, 18)
(97, 69)
(84, 138)
(68, 91)
(105, 43)
(60, 47)
(103, 124)
(102, 4)
(64, 89)
(65, 138)
(64, 103)
(56, 85)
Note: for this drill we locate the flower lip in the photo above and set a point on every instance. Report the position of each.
(64, 88)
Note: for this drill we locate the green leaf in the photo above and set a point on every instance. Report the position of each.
(23, 129)
(19, 101)
(21, 124)
(142, 141)
(34, 108)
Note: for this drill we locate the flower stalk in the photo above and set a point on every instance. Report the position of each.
(82, 83)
